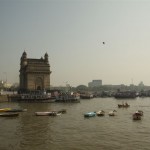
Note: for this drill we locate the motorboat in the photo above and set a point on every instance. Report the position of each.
(100, 113)
(112, 113)
(137, 115)
(68, 98)
(36, 96)
(49, 113)
(125, 94)
(126, 105)
(90, 114)
(140, 112)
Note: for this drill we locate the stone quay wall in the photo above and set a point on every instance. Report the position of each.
(9, 98)
(4, 98)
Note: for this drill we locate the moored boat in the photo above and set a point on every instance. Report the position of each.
(49, 113)
(137, 115)
(140, 112)
(90, 114)
(36, 96)
(112, 113)
(100, 113)
(68, 97)
(4, 109)
(9, 114)
(125, 94)
(16, 110)
(86, 96)
(126, 105)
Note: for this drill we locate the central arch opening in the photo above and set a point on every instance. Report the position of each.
(39, 83)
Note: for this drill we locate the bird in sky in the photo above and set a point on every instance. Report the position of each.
(103, 42)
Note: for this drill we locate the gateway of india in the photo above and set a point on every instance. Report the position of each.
(34, 73)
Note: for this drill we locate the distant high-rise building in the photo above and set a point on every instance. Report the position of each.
(95, 83)
(34, 73)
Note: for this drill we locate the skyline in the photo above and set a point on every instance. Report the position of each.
(72, 33)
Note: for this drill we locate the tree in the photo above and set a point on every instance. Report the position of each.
(81, 88)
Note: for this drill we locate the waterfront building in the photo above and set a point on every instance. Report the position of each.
(34, 73)
(95, 83)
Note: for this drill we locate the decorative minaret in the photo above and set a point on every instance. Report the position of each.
(46, 57)
(23, 64)
(24, 59)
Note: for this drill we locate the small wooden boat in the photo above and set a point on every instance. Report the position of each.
(49, 113)
(9, 114)
(112, 113)
(123, 105)
(90, 114)
(4, 109)
(140, 112)
(136, 116)
(16, 110)
(100, 113)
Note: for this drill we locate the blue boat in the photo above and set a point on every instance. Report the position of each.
(90, 114)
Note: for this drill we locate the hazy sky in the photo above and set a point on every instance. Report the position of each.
(72, 32)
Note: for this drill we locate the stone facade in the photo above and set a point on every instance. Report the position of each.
(34, 73)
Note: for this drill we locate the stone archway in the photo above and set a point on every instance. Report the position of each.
(38, 88)
(39, 83)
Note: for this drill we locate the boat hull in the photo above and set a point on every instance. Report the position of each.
(36, 97)
(16, 110)
(90, 114)
(4, 109)
(9, 114)
(136, 117)
(52, 113)
(100, 113)
(67, 101)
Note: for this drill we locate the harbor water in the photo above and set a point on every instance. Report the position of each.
(71, 131)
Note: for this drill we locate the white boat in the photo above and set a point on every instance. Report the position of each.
(140, 112)
(49, 113)
(112, 113)
(100, 113)
(37, 96)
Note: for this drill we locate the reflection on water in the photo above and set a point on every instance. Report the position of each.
(71, 131)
